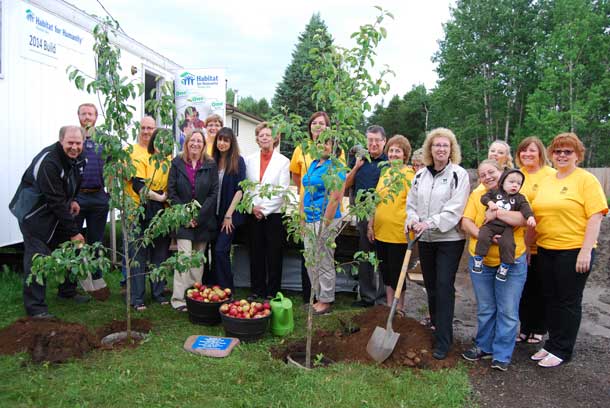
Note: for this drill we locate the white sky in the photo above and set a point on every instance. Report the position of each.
(254, 40)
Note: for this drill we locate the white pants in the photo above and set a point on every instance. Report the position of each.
(320, 259)
(184, 280)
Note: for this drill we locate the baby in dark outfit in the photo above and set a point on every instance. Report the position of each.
(506, 197)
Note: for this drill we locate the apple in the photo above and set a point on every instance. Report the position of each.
(224, 308)
(266, 306)
(228, 291)
(197, 285)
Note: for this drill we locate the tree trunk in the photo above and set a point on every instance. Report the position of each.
(127, 272)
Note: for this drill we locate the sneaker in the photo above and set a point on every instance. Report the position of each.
(478, 264)
(499, 365)
(43, 316)
(502, 272)
(475, 354)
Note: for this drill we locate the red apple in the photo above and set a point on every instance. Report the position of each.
(228, 291)
(197, 285)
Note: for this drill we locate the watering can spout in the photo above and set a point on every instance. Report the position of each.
(282, 318)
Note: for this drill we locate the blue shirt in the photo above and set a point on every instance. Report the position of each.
(368, 175)
(93, 176)
(315, 199)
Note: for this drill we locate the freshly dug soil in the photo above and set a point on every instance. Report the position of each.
(47, 340)
(56, 341)
(413, 349)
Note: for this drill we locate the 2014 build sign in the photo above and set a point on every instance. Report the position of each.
(48, 39)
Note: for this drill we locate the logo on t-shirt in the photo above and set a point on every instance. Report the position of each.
(535, 187)
(564, 190)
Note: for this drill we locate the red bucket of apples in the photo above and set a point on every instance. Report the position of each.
(248, 321)
(203, 302)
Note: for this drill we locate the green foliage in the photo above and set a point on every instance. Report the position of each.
(294, 93)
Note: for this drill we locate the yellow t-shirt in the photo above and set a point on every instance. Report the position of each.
(209, 146)
(563, 207)
(300, 162)
(475, 211)
(389, 223)
(530, 186)
(146, 171)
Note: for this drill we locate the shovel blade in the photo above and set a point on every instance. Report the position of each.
(381, 344)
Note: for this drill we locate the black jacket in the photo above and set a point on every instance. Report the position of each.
(57, 180)
(206, 192)
(230, 185)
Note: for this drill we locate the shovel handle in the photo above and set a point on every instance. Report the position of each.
(405, 266)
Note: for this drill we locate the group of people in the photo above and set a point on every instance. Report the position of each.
(532, 230)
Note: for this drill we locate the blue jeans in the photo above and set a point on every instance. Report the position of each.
(498, 308)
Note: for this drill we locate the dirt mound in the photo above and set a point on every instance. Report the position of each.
(100, 295)
(414, 347)
(47, 340)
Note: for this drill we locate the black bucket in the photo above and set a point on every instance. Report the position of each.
(202, 312)
(245, 329)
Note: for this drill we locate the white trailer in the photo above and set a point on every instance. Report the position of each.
(39, 39)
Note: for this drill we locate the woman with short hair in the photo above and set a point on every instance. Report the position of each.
(386, 227)
(497, 301)
(267, 236)
(435, 205)
(193, 176)
(569, 208)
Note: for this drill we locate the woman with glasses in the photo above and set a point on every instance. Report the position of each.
(193, 176)
(569, 207)
(435, 205)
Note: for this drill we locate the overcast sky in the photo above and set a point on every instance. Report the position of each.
(254, 40)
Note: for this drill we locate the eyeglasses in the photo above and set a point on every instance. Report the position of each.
(372, 140)
(147, 128)
(441, 146)
(565, 152)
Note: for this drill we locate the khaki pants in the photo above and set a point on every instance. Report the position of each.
(184, 280)
(323, 262)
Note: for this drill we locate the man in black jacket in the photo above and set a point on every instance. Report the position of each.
(54, 176)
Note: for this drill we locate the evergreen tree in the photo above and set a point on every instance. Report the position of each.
(294, 92)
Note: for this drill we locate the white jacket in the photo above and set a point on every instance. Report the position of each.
(439, 201)
(277, 174)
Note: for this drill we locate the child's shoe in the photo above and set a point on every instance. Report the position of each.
(502, 272)
(478, 264)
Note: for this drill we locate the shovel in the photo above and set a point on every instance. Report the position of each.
(382, 342)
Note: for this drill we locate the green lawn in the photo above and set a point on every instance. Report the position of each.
(160, 374)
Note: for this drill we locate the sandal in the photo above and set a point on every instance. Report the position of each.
(522, 338)
(400, 313)
(540, 355)
(550, 361)
(181, 308)
(534, 338)
(325, 311)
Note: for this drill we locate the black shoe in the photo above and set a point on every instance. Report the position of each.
(43, 316)
(439, 354)
(362, 303)
(475, 354)
(78, 299)
(499, 365)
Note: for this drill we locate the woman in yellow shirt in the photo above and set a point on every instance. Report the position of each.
(497, 301)
(569, 208)
(386, 228)
(533, 163)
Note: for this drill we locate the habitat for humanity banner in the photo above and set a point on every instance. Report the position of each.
(50, 40)
(199, 93)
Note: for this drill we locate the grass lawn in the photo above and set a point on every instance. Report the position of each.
(159, 373)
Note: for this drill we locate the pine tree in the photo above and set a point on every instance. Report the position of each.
(295, 91)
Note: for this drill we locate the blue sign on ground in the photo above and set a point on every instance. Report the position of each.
(211, 343)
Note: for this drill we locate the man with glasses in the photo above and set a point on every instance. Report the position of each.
(364, 176)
